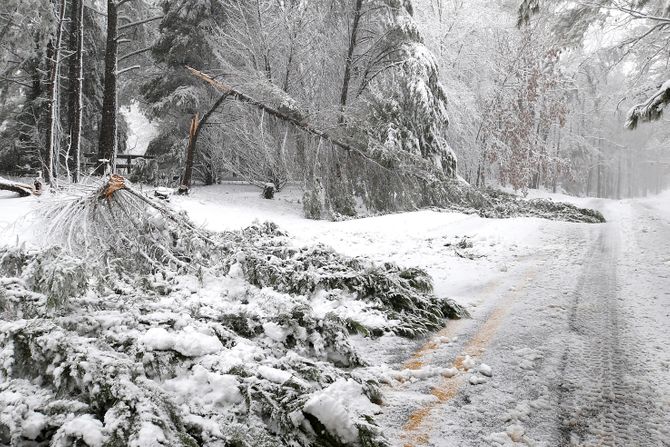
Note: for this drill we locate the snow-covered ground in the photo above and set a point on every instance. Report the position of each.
(568, 341)
(423, 238)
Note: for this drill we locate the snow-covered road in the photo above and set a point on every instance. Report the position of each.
(576, 341)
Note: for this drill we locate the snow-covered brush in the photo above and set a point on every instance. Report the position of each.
(111, 222)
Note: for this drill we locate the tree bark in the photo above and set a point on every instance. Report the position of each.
(76, 85)
(108, 141)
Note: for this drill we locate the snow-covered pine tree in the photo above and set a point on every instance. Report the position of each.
(396, 111)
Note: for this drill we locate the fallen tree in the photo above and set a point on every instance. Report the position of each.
(293, 116)
(397, 180)
(21, 189)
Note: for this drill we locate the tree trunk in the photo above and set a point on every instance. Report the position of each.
(558, 155)
(52, 136)
(618, 178)
(185, 183)
(599, 192)
(349, 61)
(76, 85)
(107, 144)
(295, 119)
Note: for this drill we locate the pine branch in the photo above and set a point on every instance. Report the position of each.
(651, 109)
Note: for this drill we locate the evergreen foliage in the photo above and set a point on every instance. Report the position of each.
(231, 339)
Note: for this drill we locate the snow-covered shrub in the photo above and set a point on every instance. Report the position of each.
(403, 295)
(12, 260)
(57, 275)
(52, 272)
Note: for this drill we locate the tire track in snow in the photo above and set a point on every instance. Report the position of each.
(600, 402)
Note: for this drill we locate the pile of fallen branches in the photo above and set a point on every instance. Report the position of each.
(111, 222)
(504, 205)
(119, 231)
(257, 352)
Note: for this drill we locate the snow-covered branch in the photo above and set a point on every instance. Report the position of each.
(139, 22)
(651, 109)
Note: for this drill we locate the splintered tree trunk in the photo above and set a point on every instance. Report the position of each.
(76, 84)
(52, 136)
(190, 153)
(107, 144)
(194, 132)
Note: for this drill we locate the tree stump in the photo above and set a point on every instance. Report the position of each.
(269, 191)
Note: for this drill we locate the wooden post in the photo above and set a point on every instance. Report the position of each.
(185, 183)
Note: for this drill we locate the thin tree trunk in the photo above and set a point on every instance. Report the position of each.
(599, 192)
(618, 178)
(76, 85)
(349, 61)
(558, 154)
(52, 129)
(108, 142)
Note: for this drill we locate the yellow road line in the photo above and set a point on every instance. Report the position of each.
(416, 430)
(417, 360)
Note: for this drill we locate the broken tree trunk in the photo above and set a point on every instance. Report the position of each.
(194, 132)
(185, 183)
(21, 189)
(303, 125)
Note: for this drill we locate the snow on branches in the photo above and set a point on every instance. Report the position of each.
(235, 338)
(651, 109)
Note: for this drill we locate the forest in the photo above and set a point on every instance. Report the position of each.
(412, 92)
(135, 311)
